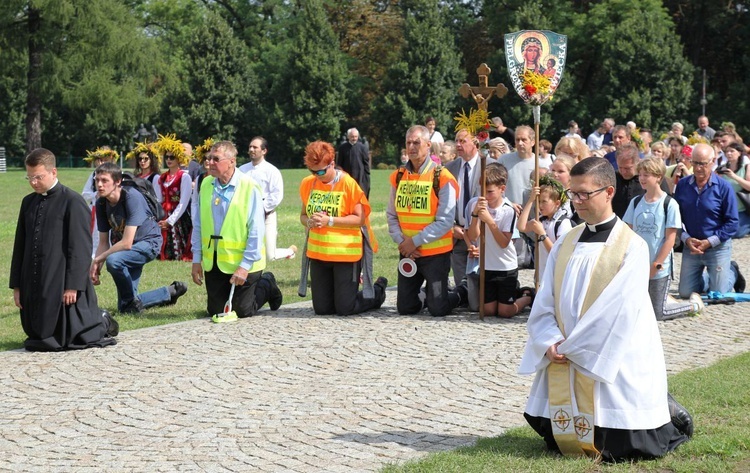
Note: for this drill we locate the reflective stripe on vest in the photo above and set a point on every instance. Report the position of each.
(337, 244)
(231, 246)
(417, 205)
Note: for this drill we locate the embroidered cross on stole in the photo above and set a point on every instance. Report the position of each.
(574, 433)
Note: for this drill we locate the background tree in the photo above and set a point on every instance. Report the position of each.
(304, 82)
(370, 36)
(716, 35)
(219, 85)
(635, 63)
(424, 81)
(87, 62)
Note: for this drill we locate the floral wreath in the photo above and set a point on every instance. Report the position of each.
(549, 181)
(144, 147)
(635, 136)
(105, 154)
(170, 144)
(695, 138)
(200, 151)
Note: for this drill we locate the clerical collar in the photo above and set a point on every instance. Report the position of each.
(598, 233)
(51, 188)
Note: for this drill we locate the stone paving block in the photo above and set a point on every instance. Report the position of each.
(291, 391)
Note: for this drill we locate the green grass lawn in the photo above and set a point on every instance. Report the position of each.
(717, 396)
(159, 273)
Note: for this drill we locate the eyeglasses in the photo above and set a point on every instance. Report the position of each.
(214, 158)
(701, 164)
(582, 196)
(320, 172)
(36, 178)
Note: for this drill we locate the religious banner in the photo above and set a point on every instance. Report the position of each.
(536, 60)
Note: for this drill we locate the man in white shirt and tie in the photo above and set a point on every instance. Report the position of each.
(271, 184)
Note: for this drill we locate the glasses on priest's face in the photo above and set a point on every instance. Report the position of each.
(320, 172)
(583, 196)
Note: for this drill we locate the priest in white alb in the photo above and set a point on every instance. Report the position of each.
(594, 345)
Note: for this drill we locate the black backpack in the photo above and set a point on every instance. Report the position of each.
(147, 191)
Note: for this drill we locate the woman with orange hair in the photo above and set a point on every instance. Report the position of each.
(340, 242)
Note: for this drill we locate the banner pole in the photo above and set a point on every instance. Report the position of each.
(483, 189)
(536, 111)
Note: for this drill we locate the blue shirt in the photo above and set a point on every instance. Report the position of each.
(648, 221)
(709, 214)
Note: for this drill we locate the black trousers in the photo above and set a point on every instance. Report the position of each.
(335, 287)
(433, 269)
(247, 299)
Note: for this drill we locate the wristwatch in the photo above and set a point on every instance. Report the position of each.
(541, 238)
(330, 221)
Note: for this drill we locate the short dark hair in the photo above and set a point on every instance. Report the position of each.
(496, 174)
(600, 170)
(263, 142)
(112, 169)
(41, 157)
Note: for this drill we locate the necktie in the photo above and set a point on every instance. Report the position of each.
(467, 188)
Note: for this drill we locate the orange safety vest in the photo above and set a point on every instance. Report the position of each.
(337, 244)
(417, 204)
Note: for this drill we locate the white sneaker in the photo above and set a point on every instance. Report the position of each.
(698, 305)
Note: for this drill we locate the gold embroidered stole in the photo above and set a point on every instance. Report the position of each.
(574, 434)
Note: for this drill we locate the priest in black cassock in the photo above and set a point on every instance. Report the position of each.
(49, 271)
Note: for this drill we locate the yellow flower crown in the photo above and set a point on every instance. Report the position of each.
(170, 144)
(144, 147)
(200, 151)
(105, 154)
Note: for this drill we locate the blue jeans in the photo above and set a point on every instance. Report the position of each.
(716, 261)
(744, 228)
(126, 268)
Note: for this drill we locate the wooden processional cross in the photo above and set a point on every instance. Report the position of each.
(481, 95)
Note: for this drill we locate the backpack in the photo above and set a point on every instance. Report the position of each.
(147, 191)
(678, 242)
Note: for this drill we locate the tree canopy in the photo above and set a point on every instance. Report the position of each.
(77, 74)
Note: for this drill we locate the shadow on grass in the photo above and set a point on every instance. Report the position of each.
(519, 443)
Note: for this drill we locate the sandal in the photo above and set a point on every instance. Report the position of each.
(528, 292)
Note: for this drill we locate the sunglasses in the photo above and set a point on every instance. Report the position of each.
(169, 156)
(320, 172)
(144, 159)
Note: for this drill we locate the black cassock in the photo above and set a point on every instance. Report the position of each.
(52, 253)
